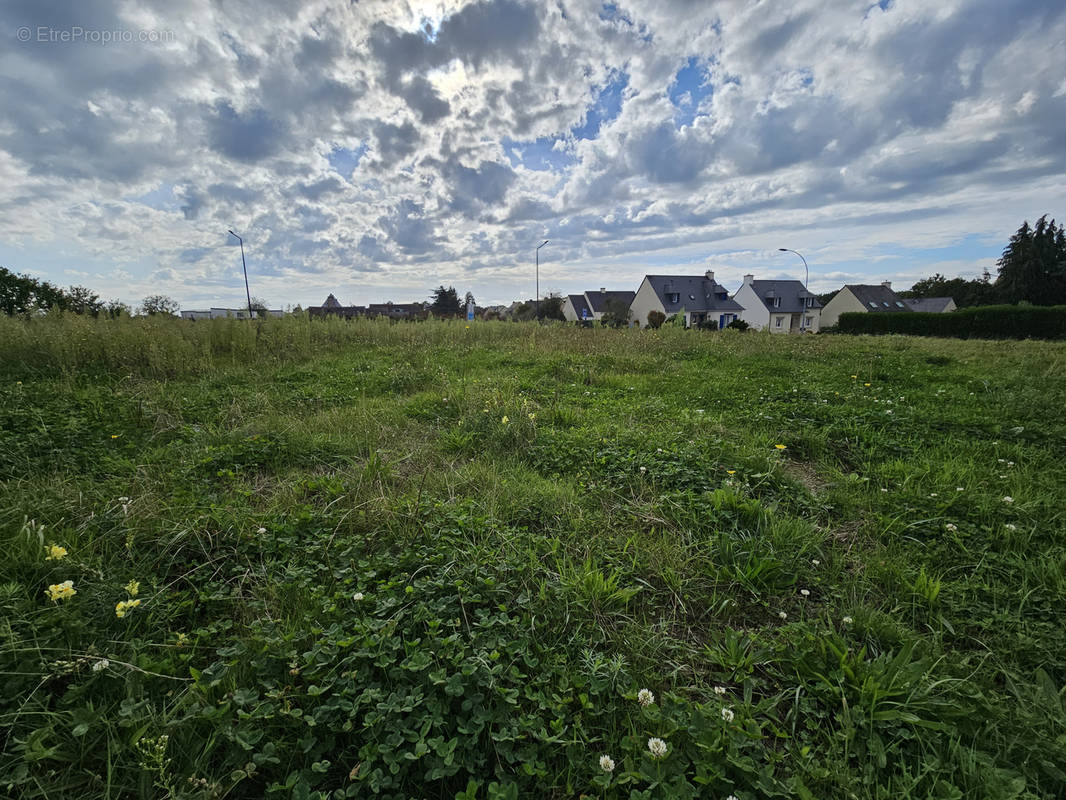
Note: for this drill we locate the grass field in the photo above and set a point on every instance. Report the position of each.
(440, 561)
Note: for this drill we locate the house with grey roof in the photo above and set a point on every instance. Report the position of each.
(592, 306)
(932, 305)
(332, 306)
(576, 308)
(863, 298)
(778, 306)
(698, 298)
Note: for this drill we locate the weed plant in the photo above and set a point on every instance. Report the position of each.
(326, 559)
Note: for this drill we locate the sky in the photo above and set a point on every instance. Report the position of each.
(375, 150)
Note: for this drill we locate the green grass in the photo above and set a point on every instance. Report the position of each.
(876, 619)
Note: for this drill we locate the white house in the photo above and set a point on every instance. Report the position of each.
(593, 305)
(778, 306)
(698, 297)
(863, 298)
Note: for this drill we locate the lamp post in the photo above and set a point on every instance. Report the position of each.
(243, 264)
(537, 304)
(806, 276)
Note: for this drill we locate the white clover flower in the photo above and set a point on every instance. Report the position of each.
(357, 596)
(805, 592)
(1010, 463)
(643, 469)
(732, 797)
(1010, 526)
(657, 747)
(727, 715)
(959, 489)
(606, 763)
(847, 620)
(1008, 499)
(951, 527)
(261, 531)
(719, 690)
(645, 697)
(816, 562)
(932, 494)
(101, 665)
(1001, 460)
(782, 615)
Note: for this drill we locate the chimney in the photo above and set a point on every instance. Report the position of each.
(603, 290)
(709, 274)
(748, 279)
(887, 284)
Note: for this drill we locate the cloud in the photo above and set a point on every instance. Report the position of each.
(383, 140)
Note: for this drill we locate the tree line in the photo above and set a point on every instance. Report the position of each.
(1032, 269)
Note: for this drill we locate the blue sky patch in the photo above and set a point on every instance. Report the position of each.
(607, 107)
(161, 198)
(690, 87)
(344, 161)
(539, 154)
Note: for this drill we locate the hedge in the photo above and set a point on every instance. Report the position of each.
(979, 322)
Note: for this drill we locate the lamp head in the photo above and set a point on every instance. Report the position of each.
(783, 249)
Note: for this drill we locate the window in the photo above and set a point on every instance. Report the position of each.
(777, 302)
(810, 302)
(873, 304)
(810, 321)
(886, 305)
(692, 297)
(898, 303)
(779, 321)
(673, 297)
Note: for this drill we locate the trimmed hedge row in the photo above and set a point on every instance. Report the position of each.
(979, 322)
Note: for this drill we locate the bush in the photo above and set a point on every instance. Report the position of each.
(980, 322)
(656, 319)
(738, 325)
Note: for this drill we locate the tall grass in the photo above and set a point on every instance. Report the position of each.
(435, 561)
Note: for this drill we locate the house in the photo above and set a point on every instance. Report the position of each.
(397, 310)
(576, 307)
(230, 313)
(931, 305)
(698, 297)
(862, 297)
(593, 305)
(333, 307)
(778, 306)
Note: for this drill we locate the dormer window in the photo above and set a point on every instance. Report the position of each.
(810, 302)
(776, 302)
(873, 304)
(673, 297)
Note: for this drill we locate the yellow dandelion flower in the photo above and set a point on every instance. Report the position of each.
(132, 588)
(730, 472)
(505, 420)
(55, 552)
(854, 377)
(866, 384)
(532, 417)
(122, 606)
(181, 640)
(61, 591)
(779, 446)
(114, 435)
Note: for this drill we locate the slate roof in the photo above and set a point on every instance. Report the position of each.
(792, 295)
(331, 302)
(696, 293)
(877, 298)
(581, 308)
(930, 305)
(598, 300)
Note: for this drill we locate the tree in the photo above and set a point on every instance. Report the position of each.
(656, 319)
(615, 314)
(551, 307)
(445, 302)
(259, 306)
(23, 294)
(83, 301)
(978, 292)
(116, 308)
(159, 304)
(1032, 268)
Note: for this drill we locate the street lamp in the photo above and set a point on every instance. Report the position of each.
(537, 305)
(806, 276)
(243, 264)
